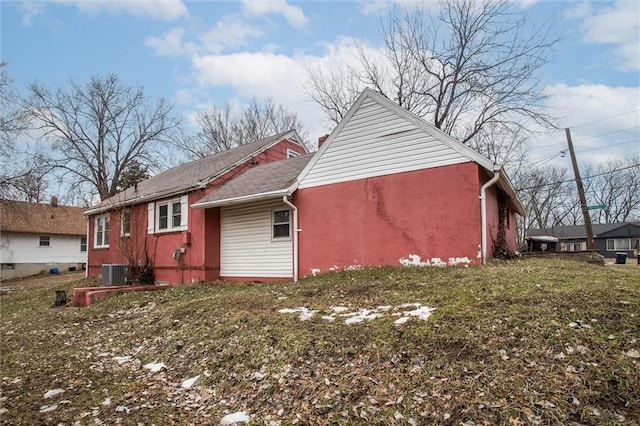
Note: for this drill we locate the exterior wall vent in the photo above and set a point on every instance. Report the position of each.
(114, 274)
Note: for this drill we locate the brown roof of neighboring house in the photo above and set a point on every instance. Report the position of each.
(191, 175)
(33, 218)
(264, 181)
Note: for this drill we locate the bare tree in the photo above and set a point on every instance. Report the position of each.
(23, 170)
(615, 185)
(472, 65)
(542, 192)
(221, 129)
(13, 120)
(98, 129)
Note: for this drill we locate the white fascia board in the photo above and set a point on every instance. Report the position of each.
(243, 199)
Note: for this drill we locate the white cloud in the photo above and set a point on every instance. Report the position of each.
(268, 74)
(617, 25)
(170, 43)
(293, 14)
(229, 32)
(31, 9)
(163, 10)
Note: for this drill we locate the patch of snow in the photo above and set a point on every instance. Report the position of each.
(459, 260)
(423, 312)
(315, 271)
(353, 320)
(384, 308)
(186, 384)
(107, 401)
(53, 392)
(409, 305)
(401, 320)
(123, 409)
(48, 408)
(237, 417)
(339, 309)
(154, 367)
(122, 359)
(329, 318)
(415, 260)
(305, 313)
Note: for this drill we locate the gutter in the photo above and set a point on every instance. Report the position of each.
(483, 213)
(285, 199)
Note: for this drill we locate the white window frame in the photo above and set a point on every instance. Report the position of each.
(83, 244)
(123, 214)
(615, 247)
(572, 246)
(291, 153)
(153, 218)
(48, 240)
(274, 223)
(101, 223)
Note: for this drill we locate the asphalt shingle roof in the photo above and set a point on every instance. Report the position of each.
(267, 178)
(576, 231)
(33, 218)
(189, 175)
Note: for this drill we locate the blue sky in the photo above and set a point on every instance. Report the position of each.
(196, 54)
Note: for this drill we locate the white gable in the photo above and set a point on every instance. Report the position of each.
(376, 140)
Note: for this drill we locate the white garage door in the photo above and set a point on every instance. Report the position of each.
(247, 246)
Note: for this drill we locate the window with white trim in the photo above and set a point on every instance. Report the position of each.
(45, 241)
(83, 243)
(614, 244)
(101, 231)
(291, 153)
(125, 223)
(168, 216)
(281, 224)
(573, 247)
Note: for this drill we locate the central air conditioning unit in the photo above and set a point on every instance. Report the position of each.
(114, 274)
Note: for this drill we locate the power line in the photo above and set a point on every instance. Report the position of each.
(603, 119)
(585, 178)
(610, 145)
(606, 134)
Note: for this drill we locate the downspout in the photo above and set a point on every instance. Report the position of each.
(483, 213)
(86, 269)
(295, 236)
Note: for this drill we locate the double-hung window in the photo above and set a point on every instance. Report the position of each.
(101, 231)
(83, 243)
(168, 216)
(281, 224)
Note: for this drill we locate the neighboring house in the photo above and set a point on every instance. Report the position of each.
(153, 224)
(35, 238)
(385, 188)
(609, 238)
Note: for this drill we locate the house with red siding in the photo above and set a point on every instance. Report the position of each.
(152, 224)
(384, 188)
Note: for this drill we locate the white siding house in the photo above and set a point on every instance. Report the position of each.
(35, 238)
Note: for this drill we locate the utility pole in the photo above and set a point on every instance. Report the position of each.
(583, 201)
